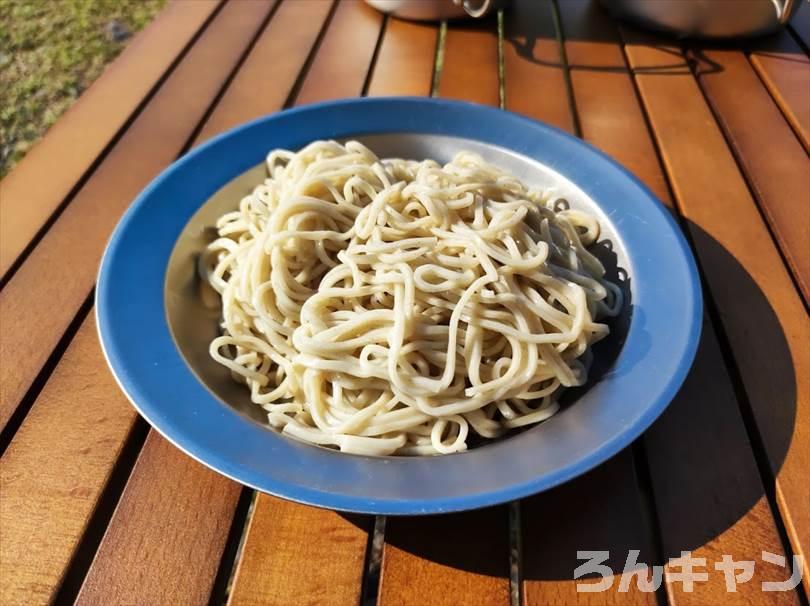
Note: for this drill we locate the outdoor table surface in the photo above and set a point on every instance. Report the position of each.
(97, 508)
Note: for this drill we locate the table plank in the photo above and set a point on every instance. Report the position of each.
(265, 81)
(63, 265)
(469, 564)
(447, 560)
(298, 22)
(339, 68)
(779, 172)
(283, 534)
(55, 470)
(145, 560)
(600, 511)
(101, 429)
(785, 70)
(470, 66)
(608, 111)
(708, 493)
(28, 200)
(749, 284)
(612, 522)
(405, 61)
(612, 119)
(296, 554)
(533, 71)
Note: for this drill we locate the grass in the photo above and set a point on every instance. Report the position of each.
(51, 51)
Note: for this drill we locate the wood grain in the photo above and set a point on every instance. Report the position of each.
(266, 79)
(296, 554)
(461, 558)
(560, 522)
(470, 66)
(785, 70)
(299, 22)
(779, 172)
(281, 535)
(55, 469)
(72, 145)
(732, 508)
(609, 113)
(43, 296)
(533, 70)
(708, 492)
(405, 61)
(344, 57)
(165, 541)
(760, 310)
(449, 560)
(614, 521)
(101, 424)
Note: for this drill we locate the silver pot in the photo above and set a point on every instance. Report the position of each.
(437, 10)
(706, 18)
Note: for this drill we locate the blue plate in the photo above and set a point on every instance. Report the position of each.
(642, 368)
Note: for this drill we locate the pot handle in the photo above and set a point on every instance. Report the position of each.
(787, 10)
(482, 6)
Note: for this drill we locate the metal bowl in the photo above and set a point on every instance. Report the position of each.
(155, 327)
(437, 10)
(706, 18)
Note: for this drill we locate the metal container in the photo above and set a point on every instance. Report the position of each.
(706, 18)
(437, 10)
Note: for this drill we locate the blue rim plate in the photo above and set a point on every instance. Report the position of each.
(659, 346)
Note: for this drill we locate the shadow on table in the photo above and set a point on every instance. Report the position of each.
(586, 23)
(691, 476)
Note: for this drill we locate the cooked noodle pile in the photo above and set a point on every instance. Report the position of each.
(394, 306)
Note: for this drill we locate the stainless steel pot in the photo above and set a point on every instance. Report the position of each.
(706, 18)
(437, 10)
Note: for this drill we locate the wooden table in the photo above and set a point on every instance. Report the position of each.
(97, 508)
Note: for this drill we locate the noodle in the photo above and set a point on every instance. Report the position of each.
(396, 307)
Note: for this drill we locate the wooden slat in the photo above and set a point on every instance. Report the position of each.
(278, 530)
(263, 84)
(41, 299)
(801, 23)
(100, 421)
(341, 65)
(72, 145)
(731, 509)
(296, 554)
(405, 61)
(534, 79)
(785, 70)
(461, 558)
(609, 114)
(761, 311)
(143, 558)
(779, 172)
(614, 521)
(470, 67)
(76, 472)
(708, 492)
(450, 560)
(283, 534)
(55, 469)
(601, 511)
(195, 487)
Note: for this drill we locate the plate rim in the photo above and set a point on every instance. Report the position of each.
(126, 381)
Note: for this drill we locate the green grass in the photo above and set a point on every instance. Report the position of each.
(51, 51)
